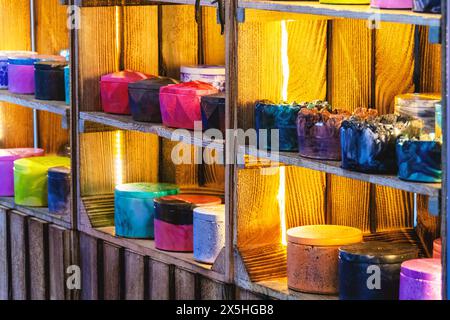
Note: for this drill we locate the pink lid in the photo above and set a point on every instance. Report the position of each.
(422, 269)
(18, 153)
(126, 76)
(190, 88)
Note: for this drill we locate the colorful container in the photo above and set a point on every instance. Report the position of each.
(114, 90)
(30, 179)
(312, 256)
(345, 1)
(3, 71)
(318, 130)
(371, 270)
(180, 103)
(214, 75)
(174, 220)
(430, 6)
(209, 233)
(49, 81)
(59, 190)
(7, 158)
(421, 279)
(134, 208)
(144, 98)
(391, 4)
(438, 123)
(67, 82)
(282, 117)
(437, 248)
(213, 112)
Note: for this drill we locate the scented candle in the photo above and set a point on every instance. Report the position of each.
(421, 279)
(49, 80)
(282, 117)
(59, 190)
(312, 256)
(134, 208)
(214, 75)
(213, 112)
(67, 82)
(31, 179)
(3, 71)
(391, 4)
(430, 6)
(174, 220)
(7, 158)
(359, 262)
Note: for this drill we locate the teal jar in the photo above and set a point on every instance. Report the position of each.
(67, 83)
(134, 209)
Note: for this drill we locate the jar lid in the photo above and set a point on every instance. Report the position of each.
(23, 60)
(423, 269)
(210, 213)
(62, 172)
(204, 69)
(50, 65)
(41, 163)
(144, 190)
(17, 153)
(378, 252)
(152, 83)
(324, 235)
(190, 88)
(188, 200)
(436, 97)
(214, 98)
(126, 76)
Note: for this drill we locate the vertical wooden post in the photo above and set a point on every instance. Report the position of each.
(4, 255)
(38, 252)
(19, 259)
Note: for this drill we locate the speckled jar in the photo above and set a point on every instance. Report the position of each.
(421, 279)
(312, 256)
(209, 233)
(3, 72)
(59, 190)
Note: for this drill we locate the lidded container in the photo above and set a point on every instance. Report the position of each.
(59, 190)
(371, 270)
(144, 98)
(212, 74)
(134, 208)
(180, 103)
(391, 4)
(31, 179)
(67, 84)
(209, 233)
(312, 256)
(49, 80)
(174, 220)
(421, 279)
(281, 117)
(213, 112)
(437, 248)
(114, 90)
(4, 55)
(7, 158)
(430, 6)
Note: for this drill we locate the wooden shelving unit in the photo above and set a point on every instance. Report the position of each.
(28, 101)
(109, 3)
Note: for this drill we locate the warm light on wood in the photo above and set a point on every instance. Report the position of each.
(282, 204)
(285, 59)
(118, 158)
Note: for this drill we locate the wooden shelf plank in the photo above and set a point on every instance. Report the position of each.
(344, 11)
(28, 101)
(38, 212)
(109, 3)
(127, 123)
(334, 167)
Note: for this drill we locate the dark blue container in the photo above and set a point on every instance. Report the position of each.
(213, 112)
(59, 190)
(419, 161)
(283, 117)
(49, 80)
(431, 6)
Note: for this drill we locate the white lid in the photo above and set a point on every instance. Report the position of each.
(204, 69)
(210, 213)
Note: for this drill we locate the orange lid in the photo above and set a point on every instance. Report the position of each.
(324, 235)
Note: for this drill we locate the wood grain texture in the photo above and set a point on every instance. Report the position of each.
(4, 255)
(112, 272)
(59, 260)
(242, 294)
(431, 63)
(185, 285)
(134, 276)
(38, 253)
(89, 267)
(161, 281)
(15, 33)
(19, 257)
(428, 227)
(212, 290)
(213, 43)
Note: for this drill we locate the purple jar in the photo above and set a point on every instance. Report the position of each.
(421, 279)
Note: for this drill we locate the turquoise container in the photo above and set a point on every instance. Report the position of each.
(134, 208)
(67, 83)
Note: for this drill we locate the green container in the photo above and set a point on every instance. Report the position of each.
(30, 179)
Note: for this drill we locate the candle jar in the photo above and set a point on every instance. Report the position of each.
(3, 72)
(174, 220)
(7, 158)
(421, 279)
(359, 263)
(209, 233)
(430, 6)
(438, 123)
(134, 208)
(144, 98)
(180, 103)
(312, 256)
(114, 90)
(31, 179)
(282, 117)
(49, 81)
(391, 4)
(437, 248)
(419, 161)
(318, 131)
(67, 84)
(214, 75)
(59, 190)
(213, 112)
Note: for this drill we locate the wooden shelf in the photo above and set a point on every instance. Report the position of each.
(28, 101)
(127, 123)
(109, 3)
(37, 212)
(334, 167)
(344, 11)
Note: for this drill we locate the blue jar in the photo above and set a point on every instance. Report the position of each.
(59, 190)
(67, 83)
(49, 80)
(3, 72)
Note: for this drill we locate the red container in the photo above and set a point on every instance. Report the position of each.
(114, 90)
(180, 103)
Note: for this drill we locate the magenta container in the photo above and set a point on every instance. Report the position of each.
(7, 158)
(180, 103)
(421, 279)
(392, 4)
